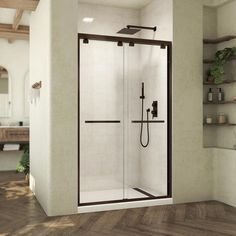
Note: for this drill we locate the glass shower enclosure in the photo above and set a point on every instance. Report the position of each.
(124, 119)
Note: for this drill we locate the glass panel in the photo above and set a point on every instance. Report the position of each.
(101, 101)
(146, 167)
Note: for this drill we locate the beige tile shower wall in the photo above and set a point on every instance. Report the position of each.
(192, 165)
(64, 108)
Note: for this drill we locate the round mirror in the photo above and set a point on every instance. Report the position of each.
(5, 102)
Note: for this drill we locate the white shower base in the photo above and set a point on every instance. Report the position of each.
(117, 194)
(110, 195)
(124, 205)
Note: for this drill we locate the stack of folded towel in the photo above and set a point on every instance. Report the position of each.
(11, 147)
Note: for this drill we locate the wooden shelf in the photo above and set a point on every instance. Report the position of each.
(219, 40)
(217, 124)
(210, 61)
(225, 148)
(219, 103)
(225, 82)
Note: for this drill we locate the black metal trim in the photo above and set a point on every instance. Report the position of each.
(143, 192)
(102, 121)
(78, 177)
(169, 120)
(124, 39)
(150, 121)
(122, 201)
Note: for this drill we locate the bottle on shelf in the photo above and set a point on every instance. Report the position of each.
(210, 95)
(220, 95)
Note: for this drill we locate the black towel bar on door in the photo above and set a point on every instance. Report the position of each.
(150, 121)
(102, 121)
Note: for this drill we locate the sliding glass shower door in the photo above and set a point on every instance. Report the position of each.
(124, 151)
(101, 122)
(146, 155)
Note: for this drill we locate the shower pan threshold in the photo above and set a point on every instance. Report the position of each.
(125, 205)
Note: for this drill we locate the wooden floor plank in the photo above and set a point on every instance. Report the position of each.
(20, 214)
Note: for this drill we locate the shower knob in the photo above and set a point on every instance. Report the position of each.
(154, 109)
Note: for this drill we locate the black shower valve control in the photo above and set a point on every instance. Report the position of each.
(154, 109)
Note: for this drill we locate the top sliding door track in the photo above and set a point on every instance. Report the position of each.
(124, 39)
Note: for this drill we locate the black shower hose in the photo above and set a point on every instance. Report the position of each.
(141, 133)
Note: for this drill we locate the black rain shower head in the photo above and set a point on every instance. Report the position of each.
(133, 29)
(128, 31)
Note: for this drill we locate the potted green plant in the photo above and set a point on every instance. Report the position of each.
(217, 69)
(24, 164)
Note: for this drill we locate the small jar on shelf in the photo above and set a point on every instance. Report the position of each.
(222, 118)
(209, 119)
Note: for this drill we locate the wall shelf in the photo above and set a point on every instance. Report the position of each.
(225, 148)
(228, 81)
(219, 103)
(217, 124)
(210, 61)
(219, 40)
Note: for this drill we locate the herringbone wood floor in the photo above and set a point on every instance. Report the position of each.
(20, 214)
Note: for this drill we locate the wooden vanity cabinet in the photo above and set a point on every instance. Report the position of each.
(14, 135)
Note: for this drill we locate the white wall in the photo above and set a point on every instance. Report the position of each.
(107, 20)
(40, 167)
(158, 13)
(15, 58)
(53, 60)
(192, 165)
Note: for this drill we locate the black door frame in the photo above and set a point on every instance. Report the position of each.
(162, 44)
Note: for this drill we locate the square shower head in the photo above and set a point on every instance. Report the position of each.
(128, 31)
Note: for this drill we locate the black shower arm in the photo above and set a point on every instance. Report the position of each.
(142, 27)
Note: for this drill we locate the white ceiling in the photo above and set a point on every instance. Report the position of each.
(216, 3)
(135, 4)
(7, 16)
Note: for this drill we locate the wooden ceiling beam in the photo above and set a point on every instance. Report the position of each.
(27, 5)
(6, 31)
(16, 21)
(17, 18)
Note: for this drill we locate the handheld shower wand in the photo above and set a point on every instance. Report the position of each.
(142, 97)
